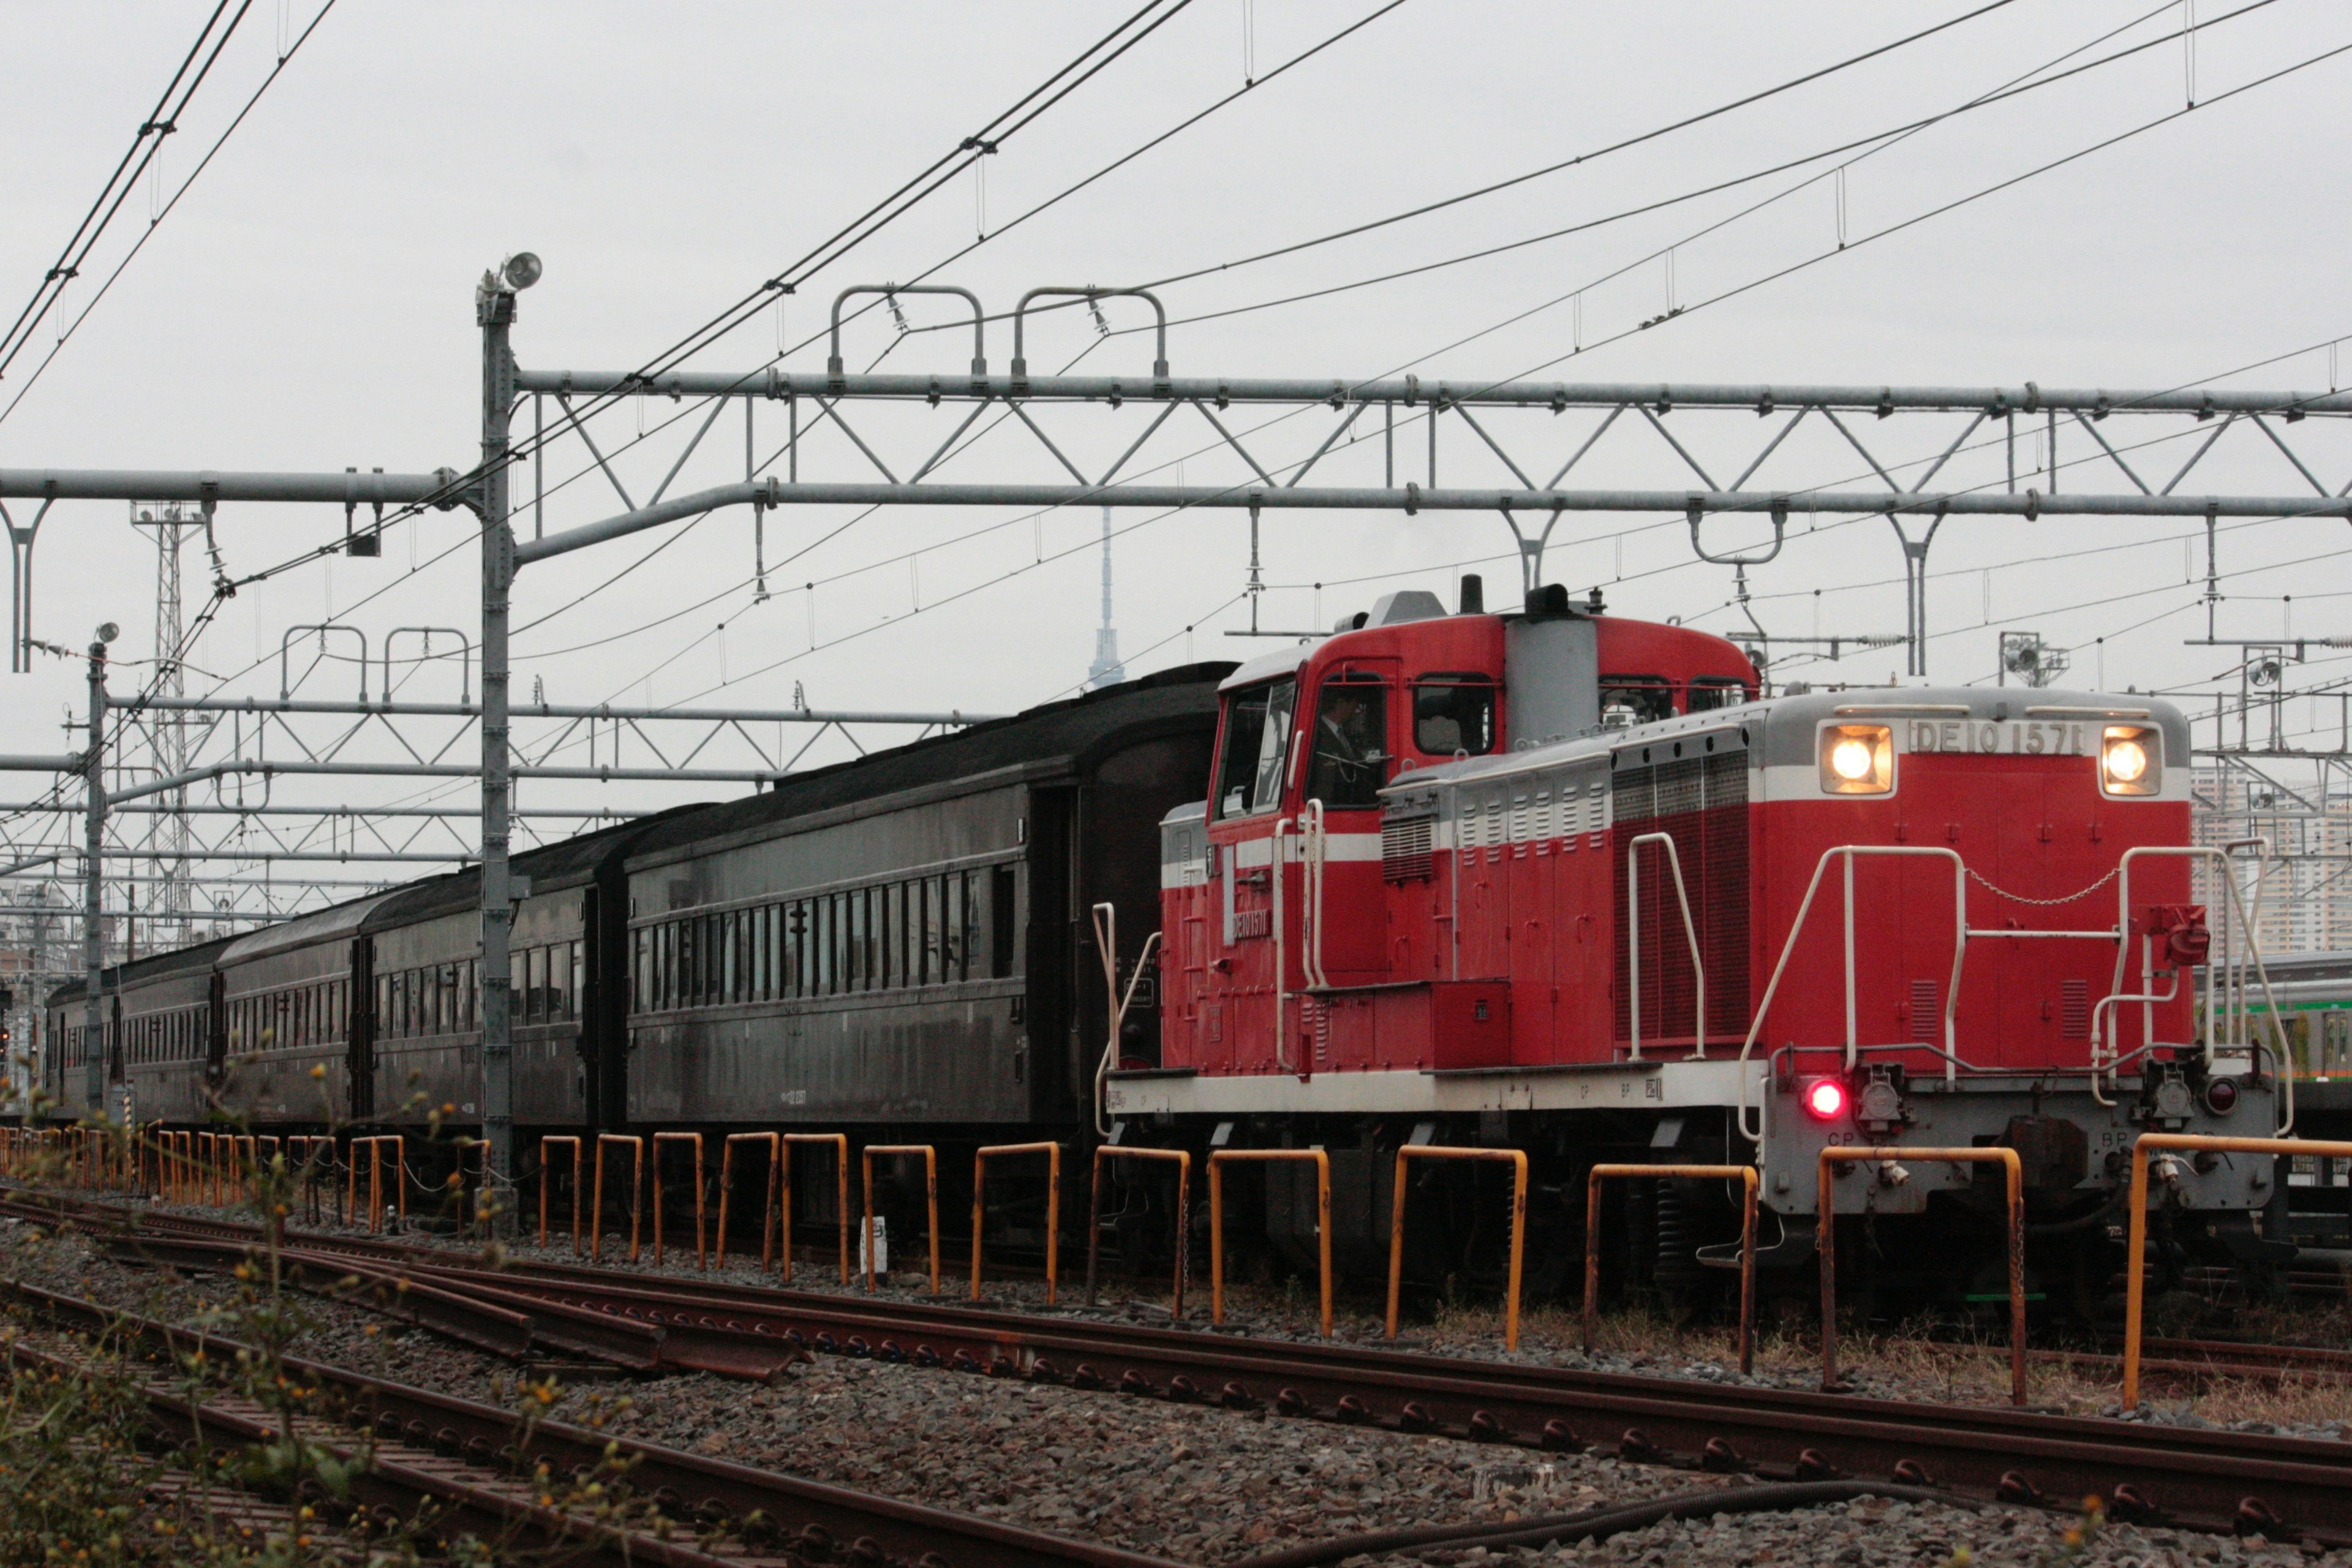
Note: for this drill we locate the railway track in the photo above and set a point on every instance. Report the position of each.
(2283, 1487)
(463, 1467)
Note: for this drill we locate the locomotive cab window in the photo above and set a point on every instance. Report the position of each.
(1711, 691)
(1257, 736)
(1346, 769)
(1453, 713)
(1628, 700)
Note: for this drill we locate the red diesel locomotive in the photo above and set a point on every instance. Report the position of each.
(1559, 881)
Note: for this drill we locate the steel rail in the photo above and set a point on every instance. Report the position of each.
(2199, 1478)
(2150, 1472)
(820, 1521)
(406, 1482)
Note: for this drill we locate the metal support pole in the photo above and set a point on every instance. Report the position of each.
(494, 310)
(93, 955)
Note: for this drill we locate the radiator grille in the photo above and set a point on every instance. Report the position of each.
(1405, 847)
(2074, 1009)
(1701, 801)
(1927, 1013)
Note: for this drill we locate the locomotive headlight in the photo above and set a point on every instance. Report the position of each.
(1858, 759)
(2131, 760)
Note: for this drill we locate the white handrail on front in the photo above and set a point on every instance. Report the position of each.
(1796, 929)
(1633, 942)
(2240, 919)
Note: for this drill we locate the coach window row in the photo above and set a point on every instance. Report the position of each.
(166, 1036)
(928, 930)
(287, 1019)
(547, 982)
(431, 999)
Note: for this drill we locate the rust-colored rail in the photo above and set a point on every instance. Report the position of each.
(2200, 1479)
(747, 1512)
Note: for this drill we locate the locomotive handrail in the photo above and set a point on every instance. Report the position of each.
(1281, 959)
(1797, 929)
(2243, 919)
(1313, 853)
(1106, 920)
(1633, 941)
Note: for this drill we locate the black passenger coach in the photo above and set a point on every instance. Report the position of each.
(900, 945)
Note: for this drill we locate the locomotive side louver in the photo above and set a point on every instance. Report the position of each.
(1405, 844)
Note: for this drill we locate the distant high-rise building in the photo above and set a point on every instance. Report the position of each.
(2305, 893)
(1105, 670)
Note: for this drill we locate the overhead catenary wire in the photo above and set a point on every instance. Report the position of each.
(155, 221)
(1052, 91)
(160, 124)
(1868, 146)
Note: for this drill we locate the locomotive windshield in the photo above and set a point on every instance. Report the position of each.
(1258, 732)
(1453, 713)
(1350, 743)
(1711, 691)
(1635, 699)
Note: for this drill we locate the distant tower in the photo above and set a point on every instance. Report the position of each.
(167, 734)
(1105, 670)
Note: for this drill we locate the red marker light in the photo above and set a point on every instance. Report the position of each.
(1825, 1100)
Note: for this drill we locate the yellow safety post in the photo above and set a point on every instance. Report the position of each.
(1517, 1159)
(637, 1183)
(695, 1139)
(1744, 1174)
(2015, 1174)
(2135, 1252)
(1182, 1160)
(727, 1189)
(839, 1143)
(1218, 1160)
(578, 1157)
(1053, 1209)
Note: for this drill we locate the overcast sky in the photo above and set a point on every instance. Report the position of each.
(308, 307)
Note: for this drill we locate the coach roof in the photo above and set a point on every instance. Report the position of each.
(1058, 736)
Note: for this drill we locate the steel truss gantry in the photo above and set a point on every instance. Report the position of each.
(1981, 429)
